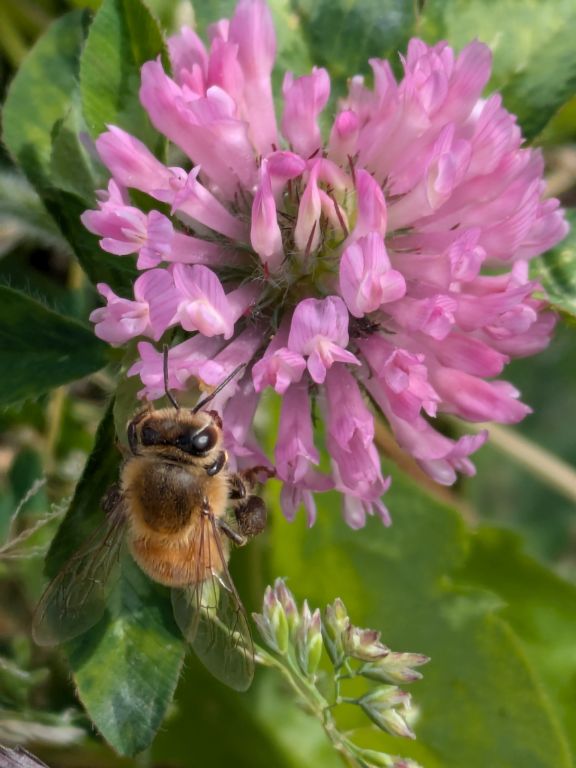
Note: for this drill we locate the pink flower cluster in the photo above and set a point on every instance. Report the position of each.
(389, 262)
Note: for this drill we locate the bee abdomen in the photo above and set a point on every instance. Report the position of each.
(174, 563)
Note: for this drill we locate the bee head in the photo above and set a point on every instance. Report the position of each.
(180, 435)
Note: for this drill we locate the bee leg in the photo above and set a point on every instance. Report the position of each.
(236, 537)
(238, 488)
(250, 510)
(251, 516)
(251, 475)
(242, 483)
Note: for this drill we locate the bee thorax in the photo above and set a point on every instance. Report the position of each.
(162, 496)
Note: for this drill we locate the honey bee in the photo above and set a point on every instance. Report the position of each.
(178, 507)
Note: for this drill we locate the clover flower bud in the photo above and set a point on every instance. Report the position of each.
(272, 622)
(395, 668)
(382, 760)
(405, 762)
(363, 644)
(298, 637)
(387, 707)
(309, 642)
(335, 623)
(288, 603)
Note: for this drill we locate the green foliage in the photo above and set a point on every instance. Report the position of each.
(264, 727)
(22, 215)
(48, 81)
(405, 580)
(48, 147)
(123, 35)
(127, 667)
(557, 271)
(41, 349)
(562, 127)
(343, 36)
(539, 606)
(534, 64)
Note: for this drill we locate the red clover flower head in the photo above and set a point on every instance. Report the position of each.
(390, 260)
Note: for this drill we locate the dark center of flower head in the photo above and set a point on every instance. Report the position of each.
(389, 257)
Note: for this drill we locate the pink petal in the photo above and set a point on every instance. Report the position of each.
(265, 234)
(252, 29)
(196, 201)
(372, 214)
(344, 136)
(474, 399)
(156, 287)
(130, 161)
(278, 370)
(326, 318)
(304, 98)
(203, 306)
(307, 230)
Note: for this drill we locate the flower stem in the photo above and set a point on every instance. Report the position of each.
(545, 465)
(313, 700)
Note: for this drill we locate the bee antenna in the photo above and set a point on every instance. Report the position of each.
(219, 388)
(169, 394)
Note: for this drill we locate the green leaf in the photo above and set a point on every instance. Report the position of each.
(40, 349)
(534, 63)
(123, 36)
(481, 703)
(557, 271)
(40, 96)
(540, 607)
(264, 727)
(548, 81)
(72, 170)
(41, 120)
(127, 666)
(293, 53)
(23, 216)
(342, 36)
(562, 127)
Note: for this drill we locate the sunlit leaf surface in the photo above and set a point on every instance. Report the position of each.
(123, 35)
(40, 348)
(534, 64)
(557, 271)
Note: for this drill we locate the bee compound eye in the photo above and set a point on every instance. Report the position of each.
(203, 441)
(149, 436)
(196, 443)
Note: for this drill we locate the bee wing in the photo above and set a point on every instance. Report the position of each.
(212, 618)
(76, 598)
